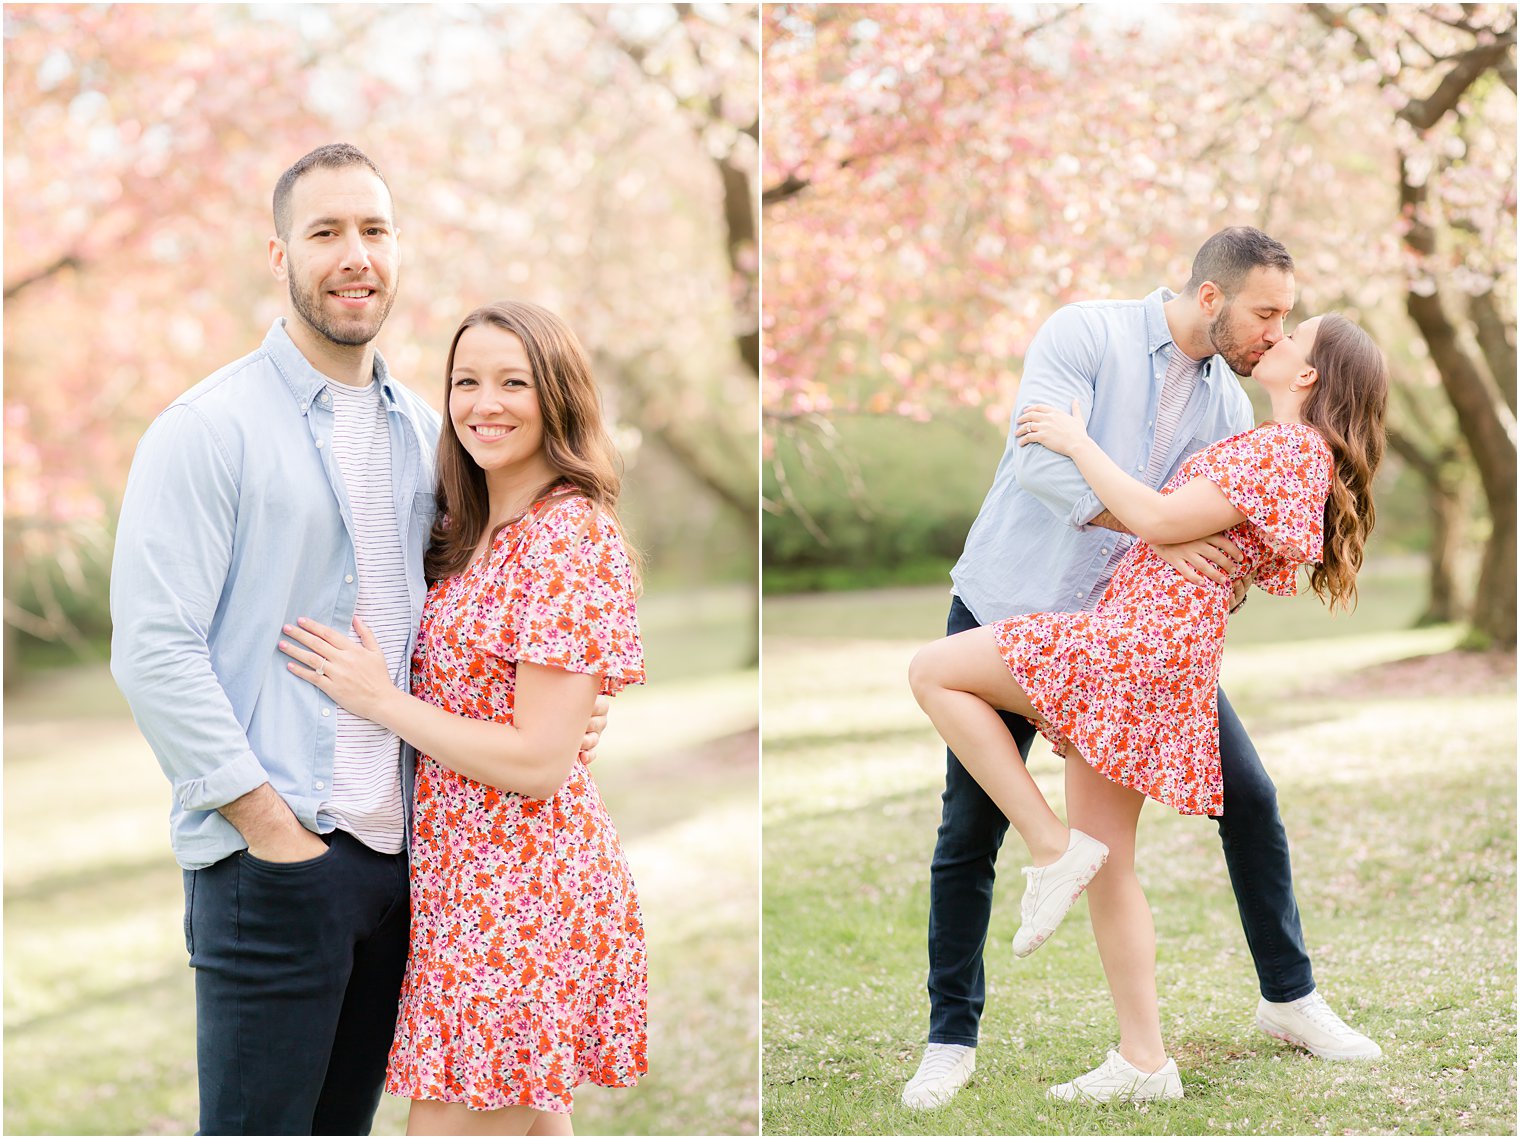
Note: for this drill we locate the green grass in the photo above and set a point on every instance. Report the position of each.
(1399, 799)
(99, 1004)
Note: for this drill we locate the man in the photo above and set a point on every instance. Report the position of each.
(295, 482)
(1154, 373)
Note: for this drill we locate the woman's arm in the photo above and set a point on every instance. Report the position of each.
(1196, 509)
(531, 756)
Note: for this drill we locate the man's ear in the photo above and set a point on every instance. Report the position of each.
(1210, 298)
(277, 256)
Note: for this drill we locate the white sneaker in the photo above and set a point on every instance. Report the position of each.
(1310, 1023)
(1117, 1079)
(1053, 889)
(942, 1072)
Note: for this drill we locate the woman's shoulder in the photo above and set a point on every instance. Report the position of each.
(1297, 439)
(565, 509)
(574, 513)
(565, 519)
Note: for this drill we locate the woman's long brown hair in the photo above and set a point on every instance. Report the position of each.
(1346, 405)
(580, 452)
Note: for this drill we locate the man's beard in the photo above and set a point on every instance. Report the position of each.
(308, 307)
(1226, 341)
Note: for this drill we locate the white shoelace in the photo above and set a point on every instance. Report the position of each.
(1113, 1066)
(939, 1061)
(1317, 1010)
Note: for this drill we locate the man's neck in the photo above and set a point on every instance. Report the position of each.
(1189, 332)
(351, 364)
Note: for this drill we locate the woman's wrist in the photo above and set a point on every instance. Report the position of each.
(388, 706)
(1085, 452)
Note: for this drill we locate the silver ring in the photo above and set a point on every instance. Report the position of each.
(322, 669)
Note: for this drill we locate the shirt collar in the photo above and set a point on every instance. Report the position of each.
(1159, 335)
(300, 377)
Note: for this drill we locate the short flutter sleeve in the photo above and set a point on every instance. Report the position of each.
(1278, 476)
(570, 598)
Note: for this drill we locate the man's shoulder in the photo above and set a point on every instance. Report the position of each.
(232, 386)
(1098, 316)
(1107, 313)
(1093, 329)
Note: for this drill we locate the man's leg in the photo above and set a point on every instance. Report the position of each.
(960, 908)
(273, 947)
(362, 1041)
(961, 876)
(1256, 852)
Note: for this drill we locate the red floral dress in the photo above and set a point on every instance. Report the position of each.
(1132, 683)
(526, 974)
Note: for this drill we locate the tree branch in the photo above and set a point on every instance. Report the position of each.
(66, 261)
(1424, 113)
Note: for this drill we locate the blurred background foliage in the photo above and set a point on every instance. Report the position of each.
(599, 160)
(939, 179)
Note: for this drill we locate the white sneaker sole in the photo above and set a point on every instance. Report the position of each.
(1044, 935)
(1079, 1096)
(1276, 1032)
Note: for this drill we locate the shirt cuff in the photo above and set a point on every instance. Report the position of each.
(1084, 511)
(218, 787)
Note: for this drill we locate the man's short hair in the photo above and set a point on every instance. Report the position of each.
(1228, 257)
(333, 156)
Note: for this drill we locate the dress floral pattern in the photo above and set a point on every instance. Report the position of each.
(1132, 683)
(526, 974)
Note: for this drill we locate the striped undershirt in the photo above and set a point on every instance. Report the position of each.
(1182, 373)
(366, 782)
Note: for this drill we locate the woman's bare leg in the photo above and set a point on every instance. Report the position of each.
(960, 682)
(1121, 917)
(430, 1117)
(552, 1123)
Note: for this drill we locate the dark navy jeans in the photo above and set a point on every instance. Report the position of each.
(972, 828)
(298, 971)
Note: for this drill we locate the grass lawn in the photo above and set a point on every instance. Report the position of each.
(99, 1003)
(1396, 779)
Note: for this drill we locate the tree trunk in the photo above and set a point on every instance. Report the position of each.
(1446, 501)
(1446, 515)
(1486, 423)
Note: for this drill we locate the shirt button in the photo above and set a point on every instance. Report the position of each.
(319, 442)
(1105, 549)
(1081, 593)
(349, 578)
(319, 785)
(327, 711)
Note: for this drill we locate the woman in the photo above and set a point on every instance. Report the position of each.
(1127, 692)
(526, 973)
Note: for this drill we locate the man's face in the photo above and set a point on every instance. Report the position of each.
(341, 260)
(1250, 322)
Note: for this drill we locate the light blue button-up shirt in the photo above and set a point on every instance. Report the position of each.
(236, 522)
(1031, 548)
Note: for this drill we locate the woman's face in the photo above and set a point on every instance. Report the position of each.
(493, 399)
(1287, 360)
